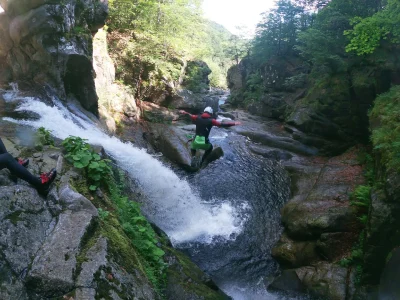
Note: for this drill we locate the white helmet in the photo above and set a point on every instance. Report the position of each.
(209, 110)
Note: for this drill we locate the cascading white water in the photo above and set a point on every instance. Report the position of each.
(176, 207)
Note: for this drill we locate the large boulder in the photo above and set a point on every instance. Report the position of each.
(52, 44)
(293, 254)
(192, 102)
(322, 280)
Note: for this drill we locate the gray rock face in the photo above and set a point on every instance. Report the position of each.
(113, 97)
(382, 234)
(53, 268)
(51, 43)
(321, 280)
(292, 254)
(194, 103)
(171, 141)
(270, 106)
(320, 226)
(324, 280)
(25, 222)
(389, 288)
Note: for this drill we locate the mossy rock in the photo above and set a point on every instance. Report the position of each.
(186, 281)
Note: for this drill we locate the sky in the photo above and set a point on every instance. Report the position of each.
(232, 13)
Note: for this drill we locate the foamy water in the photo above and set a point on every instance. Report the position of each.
(175, 206)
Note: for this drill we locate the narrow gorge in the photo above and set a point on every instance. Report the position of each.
(301, 202)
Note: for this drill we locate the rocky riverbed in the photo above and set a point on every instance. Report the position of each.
(320, 225)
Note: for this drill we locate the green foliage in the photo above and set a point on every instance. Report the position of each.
(254, 88)
(366, 159)
(141, 234)
(277, 32)
(368, 33)
(82, 156)
(356, 257)
(385, 126)
(195, 75)
(103, 214)
(158, 36)
(363, 219)
(361, 196)
(44, 136)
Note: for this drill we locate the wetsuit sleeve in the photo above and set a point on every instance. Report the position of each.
(193, 117)
(220, 124)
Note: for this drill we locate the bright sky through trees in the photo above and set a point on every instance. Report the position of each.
(232, 13)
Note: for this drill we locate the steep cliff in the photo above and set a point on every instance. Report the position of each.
(48, 43)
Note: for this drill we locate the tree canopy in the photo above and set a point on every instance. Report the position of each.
(165, 29)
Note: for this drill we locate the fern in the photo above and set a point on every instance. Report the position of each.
(362, 196)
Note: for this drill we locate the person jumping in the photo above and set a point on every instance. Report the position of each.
(204, 122)
(18, 166)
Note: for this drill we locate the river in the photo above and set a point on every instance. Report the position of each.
(225, 217)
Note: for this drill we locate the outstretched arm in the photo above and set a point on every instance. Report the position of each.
(193, 117)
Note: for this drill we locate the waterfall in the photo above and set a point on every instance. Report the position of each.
(175, 206)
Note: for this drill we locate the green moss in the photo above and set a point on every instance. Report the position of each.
(88, 241)
(14, 217)
(120, 245)
(191, 278)
(385, 126)
(132, 242)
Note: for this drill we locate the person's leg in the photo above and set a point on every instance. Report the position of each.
(9, 162)
(208, 151)
(2, 147)
(23, 162)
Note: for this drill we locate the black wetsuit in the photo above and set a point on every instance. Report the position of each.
(204, 122)
(9, 162)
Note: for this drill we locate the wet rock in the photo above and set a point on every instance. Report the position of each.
(312, 218)
(279, 142)
(332, 246)
(293, 254)
(172, 142)
(275, 154)
(288, 280)
(186, 281)
(382, 232)
(230, 115)
(389, 288)
(320, 202)
(214, 155)
(112, 280)
(324, 280)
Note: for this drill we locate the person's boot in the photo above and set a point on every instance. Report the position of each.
(47, 179)
(23, 162)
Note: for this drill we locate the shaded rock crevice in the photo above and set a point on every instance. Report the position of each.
(44, 41)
